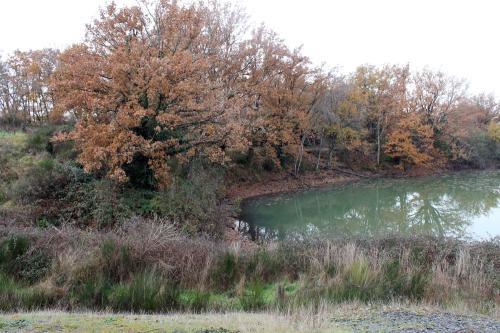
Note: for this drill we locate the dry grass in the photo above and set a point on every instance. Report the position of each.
(444, 272)
(328, 318)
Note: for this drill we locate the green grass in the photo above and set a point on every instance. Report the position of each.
(343, 317)
(13, 138)
(185, 323)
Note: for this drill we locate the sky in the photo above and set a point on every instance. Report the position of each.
(459, 37)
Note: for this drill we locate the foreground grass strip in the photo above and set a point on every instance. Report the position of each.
(349, 317)
(209, 323)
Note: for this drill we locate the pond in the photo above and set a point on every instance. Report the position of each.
(463, 205)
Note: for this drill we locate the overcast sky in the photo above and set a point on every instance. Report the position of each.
(459, 37)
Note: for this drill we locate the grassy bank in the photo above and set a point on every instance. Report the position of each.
(148, 266)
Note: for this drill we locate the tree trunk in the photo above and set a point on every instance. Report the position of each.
(378, 143)
(298, 160)
(319, 153)
(330, 156)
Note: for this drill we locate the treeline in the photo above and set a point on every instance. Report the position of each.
(156, 86)
(25, 94)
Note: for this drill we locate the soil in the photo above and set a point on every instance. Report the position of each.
(286, 182)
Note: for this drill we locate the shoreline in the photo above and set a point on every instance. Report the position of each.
(287, 183)
(283, 183)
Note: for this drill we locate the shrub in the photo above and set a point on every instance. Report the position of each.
(253, 297)
(394, 282)
(90, 292)
(192, 200)
(109, 207)
(62, 192)
(39, 140)
(484, 150)
(12, 121)
(417, 285)
(359, 283)
(12, 252)
(225, 271)
(3, 197)
(18, 262)
(47, 179)
(116, 261)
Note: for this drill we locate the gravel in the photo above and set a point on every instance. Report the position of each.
(406, 321)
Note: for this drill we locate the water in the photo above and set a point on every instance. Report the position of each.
(463, 205)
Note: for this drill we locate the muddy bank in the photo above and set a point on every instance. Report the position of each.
(286, 182)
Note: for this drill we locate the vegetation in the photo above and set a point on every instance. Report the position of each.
(116, 155)
(155, 86)
(338, 318)
(148, 266)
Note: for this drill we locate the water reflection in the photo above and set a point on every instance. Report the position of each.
(439, 206)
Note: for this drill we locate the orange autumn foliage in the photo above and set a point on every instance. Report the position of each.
(175, 81)
(410, 141)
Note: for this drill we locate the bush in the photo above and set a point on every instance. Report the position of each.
(193, 200)
(47, 179)
(11, 253)
(18, 262)
(484, 150)
(253, 297)
(63, 192)
(12, 121)
(115, 261)
(417, 285)
(109, 207)
(359, 283)
(90, 292)
(3, 197)
(226, 270)
(39, 140)
(393, 280)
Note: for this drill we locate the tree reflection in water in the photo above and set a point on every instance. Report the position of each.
(439, 206)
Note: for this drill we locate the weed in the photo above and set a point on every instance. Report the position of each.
(146, 292)
(195, 300)
(253, 296)
(225, 272)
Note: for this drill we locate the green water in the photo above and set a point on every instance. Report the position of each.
(464, 205)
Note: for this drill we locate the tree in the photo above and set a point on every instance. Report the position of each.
(410, 142)
(494, 130)
(279, 89)
(336, 121)
(152, 83)
(380, 94)
(435, 95)
(165, 81)
(25, 95)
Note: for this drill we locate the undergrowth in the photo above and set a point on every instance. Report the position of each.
(148, 266)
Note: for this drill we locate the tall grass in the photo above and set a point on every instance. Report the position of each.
(147, 266)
